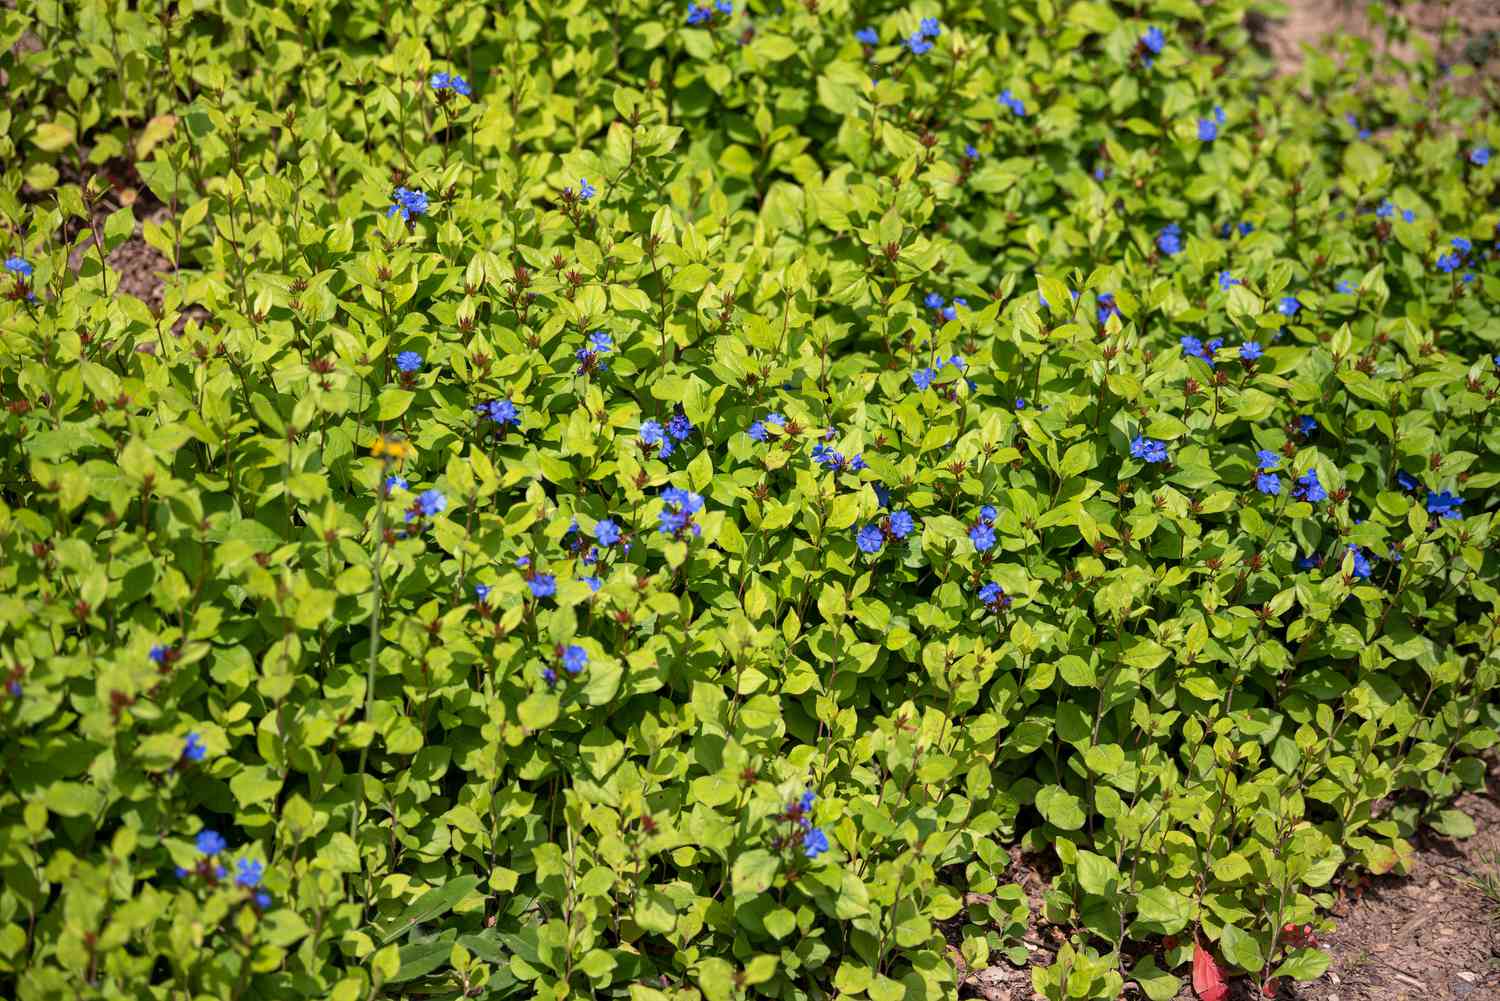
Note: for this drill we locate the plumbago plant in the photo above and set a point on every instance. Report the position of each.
(658, 502)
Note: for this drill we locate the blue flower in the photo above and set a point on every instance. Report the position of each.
(1218, 114)
(1148, 449)
(1479, 156)
(209, 842)
(1309, 562)
(14, 688)
(814, 842)
(408, 203)
(930, 27)
(543, 585)
(601, 342)
(933, 301)
(1343, 287)
(249, 873)
(1106, 306)
(677, 512)
(263, 901)
(1288, 305)
(1208, 130)
(549, 676)
(1407, 215)
(1354, 124)
(918, 45)
(1405, 481)
(585, 190)
(805, 804)
(923, 377)
(1306, 426)
(1385, 210)
(574, 658)
(1169, 240)
(1308, 488)
(1251, 350)
(1020, 403)
(1154, 40)
(1192, 347)
(430, 502)
(1265, 459)
(522, 562)
(1361, 563)
(698, 15)
(983, 536)
(158, 653)
(481, 592)
(594, 583)
(652, 434)
(1014, 103)
(18, 266)
(1227, 281)
(192, 747)
(408, 361)
(970, 152)
(502, 412)
(607, 532)
(1268, 483)
(988, 514)
(882, 495)
(1449, 263)
(1444, 505)
(724, 7)
(451, 81)
(394, 483)
(901, 524)
(869, 36)
(1462, 244)
(870, 539)
(679, 427)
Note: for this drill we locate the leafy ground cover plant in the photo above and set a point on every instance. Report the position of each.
(653, 501)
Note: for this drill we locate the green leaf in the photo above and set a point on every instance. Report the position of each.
(1060, 807)
(433, 904)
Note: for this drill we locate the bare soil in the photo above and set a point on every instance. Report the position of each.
(1474, 38)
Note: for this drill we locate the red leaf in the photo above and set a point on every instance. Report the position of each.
(1208, 982)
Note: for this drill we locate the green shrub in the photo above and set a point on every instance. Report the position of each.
(663, 523)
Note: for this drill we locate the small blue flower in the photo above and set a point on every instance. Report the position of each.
(1218, 114)
(814, 842)
(901, 524)
(594, 583)
(18, 266)
(394, 483)
(1309, 488)
(1343, 287)
(522, 562)
(574, 658)
(1148, 449)
(408, 203)
(653, 434)
(263, 901)
(698, 15)
(450, 81)
(870, 539)
(543, 585)
(1449, 263)
(1361, 563)
(1227, 281)
(1310, 562)
(481, 592)
(868, 36)
(1154, 40)
(679, 427)
(549, 676)
(1306, 426)
(933, 301)
(430, 502)
(1020, 403)
(502, 412)
(1251, 350)
(1405, 481)
(209, 842)
(192, 747)
(677, 512)
(607, 532)
(408, 361)
(1479, 156)
(1462, 244)
(14, 688)
(601, 342)
(585, 190)
(1169, 240)
(988, 514)
(1265, 459)
(970, 152)
(1289, 305)
(923, 377)
(1014, 103)
(158, 653)
(918, 45)
(1444, 505)
(930, 27)
(1268, 483)
(1208, 130)
(249, 873)
(982, 535)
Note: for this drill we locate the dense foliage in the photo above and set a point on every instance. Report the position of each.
(652, 501)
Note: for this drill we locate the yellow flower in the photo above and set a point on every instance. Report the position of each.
(395, 450)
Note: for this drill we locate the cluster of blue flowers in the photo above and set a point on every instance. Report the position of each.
(994, 597)
(427, 504)
(192, 747)
(835, 461)
(1387, 210)
(1444, 505)
(919, 43)
(442, 82)
(1354, 124)
(248, 872)
(1266, 480)
(654, 436)
(703, 14)
(1454, 259)
(982, 532)
(925, 377)
(1151, 44)
(678, 508)
(813, 839)
(592, 358)
(1148, 449)
(1106, 308)
(573, 658)
(1309, 488)
(758, 431)
(1014, 103)
(872, 538)
(408, 202)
